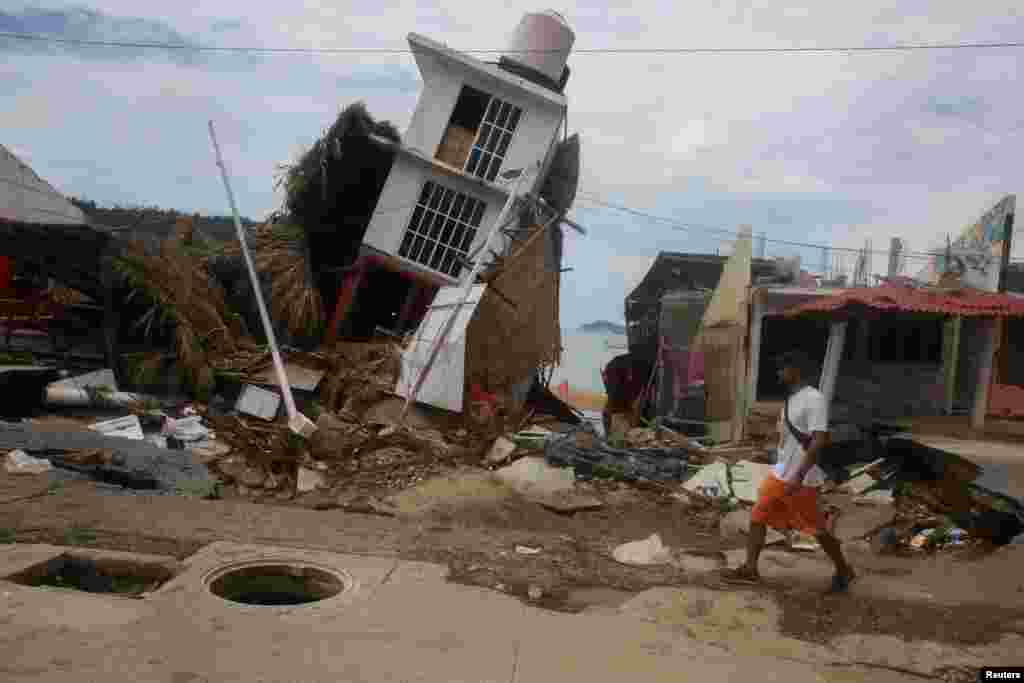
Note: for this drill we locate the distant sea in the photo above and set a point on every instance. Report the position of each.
(584, 355)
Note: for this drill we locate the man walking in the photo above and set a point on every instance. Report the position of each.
(788, 498)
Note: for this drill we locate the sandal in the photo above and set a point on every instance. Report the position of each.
(841, 584)
(741, 575)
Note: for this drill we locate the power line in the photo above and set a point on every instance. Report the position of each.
(735, 235)
(849, 49)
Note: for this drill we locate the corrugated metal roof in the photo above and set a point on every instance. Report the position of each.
(963, 302)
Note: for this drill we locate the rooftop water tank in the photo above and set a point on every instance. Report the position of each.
(541, 44)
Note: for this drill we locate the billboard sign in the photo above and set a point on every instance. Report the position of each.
(980, 253)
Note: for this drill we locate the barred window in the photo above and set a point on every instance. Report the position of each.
(493, 138)
(442, 228)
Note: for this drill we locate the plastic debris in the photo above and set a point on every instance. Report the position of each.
(20, 462)
(186, 429)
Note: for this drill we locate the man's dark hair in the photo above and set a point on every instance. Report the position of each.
(796, 359)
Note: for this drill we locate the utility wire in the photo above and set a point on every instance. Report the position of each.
(732, 234)
(849, 49)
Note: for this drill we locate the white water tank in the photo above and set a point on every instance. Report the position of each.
(542, 42)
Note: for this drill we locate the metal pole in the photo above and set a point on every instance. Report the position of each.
(298, 422)
(467, 290)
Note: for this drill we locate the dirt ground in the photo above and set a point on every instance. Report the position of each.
(571, 569)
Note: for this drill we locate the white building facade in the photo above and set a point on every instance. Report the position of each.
(473, 122)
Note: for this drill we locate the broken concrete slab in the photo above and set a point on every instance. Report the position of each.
(741, 480)
(649, 551)
(533, 476)
(133, 464)
(308, 480)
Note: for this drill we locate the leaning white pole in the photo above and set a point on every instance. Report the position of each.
(467, 289)
(298, 422)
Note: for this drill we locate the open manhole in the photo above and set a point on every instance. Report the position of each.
(276, 584)
(95, 575)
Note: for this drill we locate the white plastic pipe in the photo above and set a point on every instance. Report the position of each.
(467, 289)
(298, 422)
(76, 397)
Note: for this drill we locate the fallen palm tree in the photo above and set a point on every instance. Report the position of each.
(281, 256)
(183, 295)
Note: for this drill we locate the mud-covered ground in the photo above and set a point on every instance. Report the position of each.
(552, 560)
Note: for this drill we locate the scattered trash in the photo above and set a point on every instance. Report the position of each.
(649, 551)
(535, 592)
(526, 550)
(127, 427)
(501, 451)
(20, 462)
(258, 402)
(186, 429)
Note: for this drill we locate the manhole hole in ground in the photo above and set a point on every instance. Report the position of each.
(95, 575)
(276, 584)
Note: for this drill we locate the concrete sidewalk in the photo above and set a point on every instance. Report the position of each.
(400, 621)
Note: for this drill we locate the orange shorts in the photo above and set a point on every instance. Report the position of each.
(798, 511)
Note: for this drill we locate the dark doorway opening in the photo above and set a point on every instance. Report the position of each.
(779, 335)
(379, 303)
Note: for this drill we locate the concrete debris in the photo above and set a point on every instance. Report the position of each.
(535, 592)
(20, 462)
(126, 427)
(308, 480)
(501, 451)
(650, 551)
(725, 480)
(533, 476)
(526, 550)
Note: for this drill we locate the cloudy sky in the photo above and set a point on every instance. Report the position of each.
(819, 148)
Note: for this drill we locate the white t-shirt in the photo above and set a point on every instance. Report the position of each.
(809, 413)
